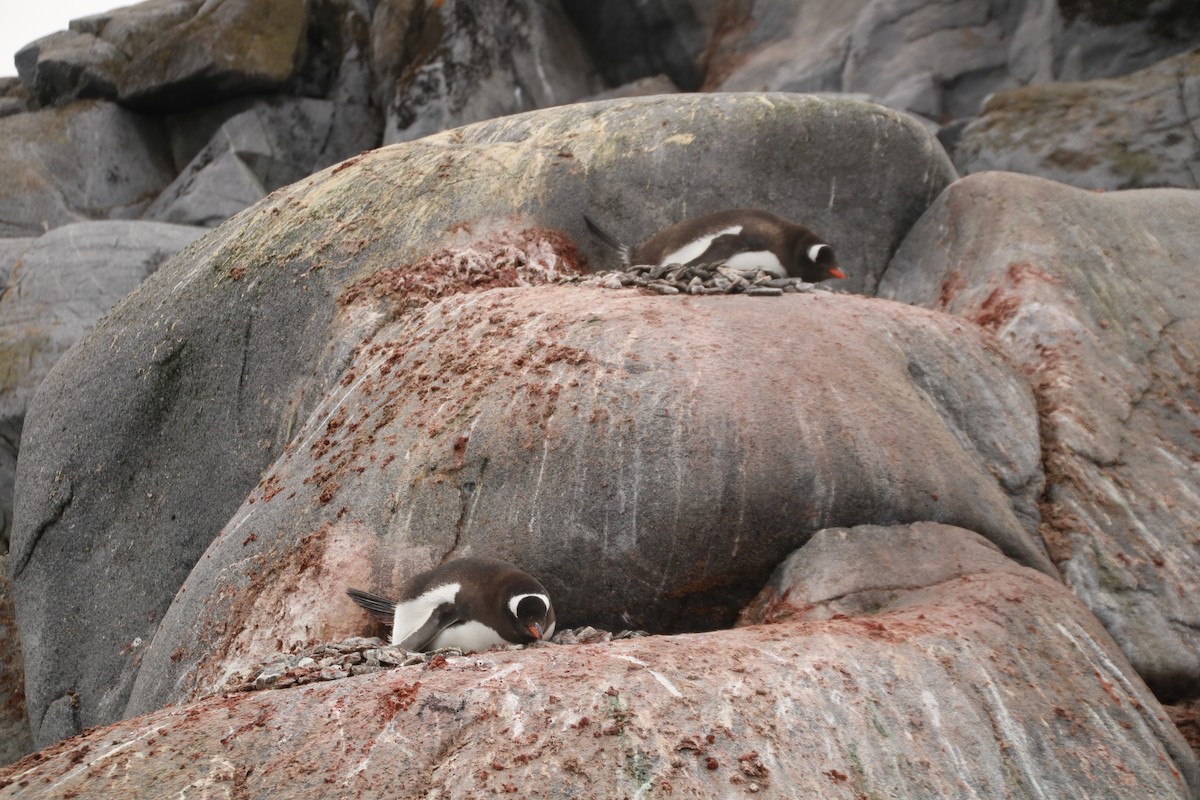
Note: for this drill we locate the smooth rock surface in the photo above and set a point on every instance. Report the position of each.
(478, 59)
(228, 48)
(87, 160)
(56, 287)
(211, 367)
(1124, 133)
(1096, 297)
(984, 679)
(649, 460)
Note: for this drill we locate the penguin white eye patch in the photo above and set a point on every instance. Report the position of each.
(814, 252)
(515, 601)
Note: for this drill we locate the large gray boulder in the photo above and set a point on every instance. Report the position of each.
(1121, 133)
(228, 48)
(69, 65)
(979, 678)
(271, 144)
(210, 368)
(55, 288)
(650, 459)
(87, 160)
(1094, 295)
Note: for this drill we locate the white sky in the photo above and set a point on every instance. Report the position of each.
(27, 20)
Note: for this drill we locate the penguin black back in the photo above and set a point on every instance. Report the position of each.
(741, 238)
(471, 603)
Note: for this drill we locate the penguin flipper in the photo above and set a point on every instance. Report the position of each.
(442, 617)
(724, 247)
(378, 607)
(623, 250)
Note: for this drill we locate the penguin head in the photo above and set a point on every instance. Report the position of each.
(816, 261)
(528, 613)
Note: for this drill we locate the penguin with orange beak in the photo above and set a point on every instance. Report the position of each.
(741, 238)
(470, 603)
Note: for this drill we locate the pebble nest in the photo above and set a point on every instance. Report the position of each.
(360, 655)
(713, 278)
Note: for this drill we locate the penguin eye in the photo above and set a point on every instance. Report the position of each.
(529, 606)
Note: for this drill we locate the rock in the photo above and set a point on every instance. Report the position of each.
(67, 66)
(642, 87)
(90, 159)
(14, 97)
(228, 48)
(1130, 132)
(1094, 296)
(337, 64)
(981, 679)
(56, 287)
(642, 38)
(214, 365)
(11, 251)
(478, 59)
(673, 494)
(15, 738)
(271, 144)
(135, 28)
(939, 60)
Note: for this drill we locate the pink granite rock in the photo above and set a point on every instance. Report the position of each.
(1095, 295)
(979, 678)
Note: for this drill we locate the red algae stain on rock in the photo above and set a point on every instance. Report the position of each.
(529, 257)
(412, 366)
(299, 591)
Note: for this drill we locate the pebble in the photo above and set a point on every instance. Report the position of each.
(362, 655)
(701, 279)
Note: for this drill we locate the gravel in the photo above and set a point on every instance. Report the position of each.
(360, 655)
(699, 279)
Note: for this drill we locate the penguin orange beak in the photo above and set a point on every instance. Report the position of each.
(536, 630)
(836, 273)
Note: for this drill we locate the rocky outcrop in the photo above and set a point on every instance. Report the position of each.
(214, 366)
(88, 160)
(975, 676)
(1130, 132)
(575, 432)
(260, 390)
(1094, 295)
(938, 60)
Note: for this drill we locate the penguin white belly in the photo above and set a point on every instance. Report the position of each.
(757, 259)
(470, 635)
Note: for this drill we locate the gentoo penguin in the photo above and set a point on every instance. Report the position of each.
(743, 238)
(470, 603)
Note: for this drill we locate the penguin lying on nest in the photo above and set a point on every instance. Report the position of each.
(471, 603)
(741, 238)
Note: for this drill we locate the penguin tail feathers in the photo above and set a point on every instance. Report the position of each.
(600, 233)
(376, 606)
